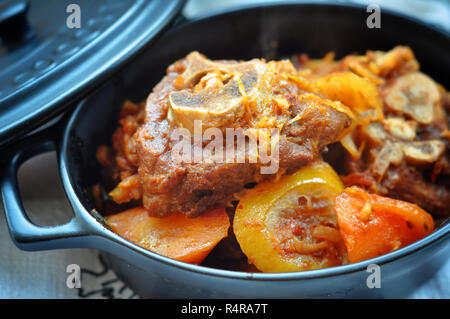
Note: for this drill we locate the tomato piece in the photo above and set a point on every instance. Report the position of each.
(373, 225)
(177, 236)
(289, 224)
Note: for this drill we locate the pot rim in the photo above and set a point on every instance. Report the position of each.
(319, 3)
(101, 230)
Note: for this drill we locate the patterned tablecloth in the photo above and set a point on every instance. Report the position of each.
(44, 274)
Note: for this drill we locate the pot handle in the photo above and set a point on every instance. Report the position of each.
(25, 234)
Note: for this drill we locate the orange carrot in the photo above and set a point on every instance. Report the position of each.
(177, 236)
(373, 225)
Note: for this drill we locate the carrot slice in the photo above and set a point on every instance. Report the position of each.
(177, 236)
(373, 225)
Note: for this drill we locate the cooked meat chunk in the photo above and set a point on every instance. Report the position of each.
(192, 188)
(223, 94)
(407, 183)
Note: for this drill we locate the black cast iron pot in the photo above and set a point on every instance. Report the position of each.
(270, 31)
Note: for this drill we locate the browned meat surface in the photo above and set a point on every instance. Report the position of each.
(169, 187)
(407, 183)
(197, 88)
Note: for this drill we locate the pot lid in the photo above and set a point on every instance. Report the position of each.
(54, 52)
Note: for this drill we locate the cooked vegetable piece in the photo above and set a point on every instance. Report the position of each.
(373, 225)
(414, 95)
(358, 93)
(398, 61)
(177, 236)
(290, 225)
(128, 189)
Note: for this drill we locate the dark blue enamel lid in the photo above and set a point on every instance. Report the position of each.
(54, 52)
